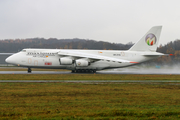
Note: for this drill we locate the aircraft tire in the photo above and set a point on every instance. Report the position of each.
(29, 70)
(84, 71)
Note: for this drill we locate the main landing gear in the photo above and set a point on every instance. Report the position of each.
(29, 70)
(83, 71)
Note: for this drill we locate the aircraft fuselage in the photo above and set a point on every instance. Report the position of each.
(49, 58)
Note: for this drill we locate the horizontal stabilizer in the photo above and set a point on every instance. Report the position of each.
(152, 54)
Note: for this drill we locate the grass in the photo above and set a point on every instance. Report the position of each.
(86, 77)
(89, 101)
(125, 101)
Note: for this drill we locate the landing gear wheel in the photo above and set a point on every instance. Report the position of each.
(94, 71)
(29, 70)
(89, 71)
(77, 71)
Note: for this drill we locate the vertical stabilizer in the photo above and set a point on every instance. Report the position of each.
(149, 41)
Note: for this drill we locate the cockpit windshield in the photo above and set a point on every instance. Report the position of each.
(23, 50)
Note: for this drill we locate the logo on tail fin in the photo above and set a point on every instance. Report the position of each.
(150, 39)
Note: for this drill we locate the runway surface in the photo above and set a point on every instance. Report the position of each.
(164, 71)
(175, 70)
(155, 71)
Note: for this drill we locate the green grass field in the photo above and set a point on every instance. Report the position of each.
(86, 77)
(124, 101)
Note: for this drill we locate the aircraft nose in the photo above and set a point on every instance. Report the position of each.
(9, 60)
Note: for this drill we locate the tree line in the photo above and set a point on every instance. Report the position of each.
(53, 43)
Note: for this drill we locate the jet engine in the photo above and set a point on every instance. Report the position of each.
(66, 61)
(82, 63)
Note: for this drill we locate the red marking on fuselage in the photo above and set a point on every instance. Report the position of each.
(48, 63)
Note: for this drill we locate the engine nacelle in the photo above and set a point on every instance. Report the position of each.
(82, 63)
(66, 61)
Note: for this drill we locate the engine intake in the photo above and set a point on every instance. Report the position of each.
(82, 63)
(66, 61)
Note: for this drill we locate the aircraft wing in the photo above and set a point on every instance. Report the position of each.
(89, 56)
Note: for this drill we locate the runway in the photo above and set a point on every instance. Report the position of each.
(164, 70)
(116, 71)
(127, 71)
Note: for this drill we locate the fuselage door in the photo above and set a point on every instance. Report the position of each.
(35, 63)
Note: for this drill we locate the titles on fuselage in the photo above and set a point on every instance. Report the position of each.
(40, 54)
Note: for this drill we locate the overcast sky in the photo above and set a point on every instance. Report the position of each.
(118, 21)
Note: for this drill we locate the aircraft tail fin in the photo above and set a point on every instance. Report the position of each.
(149, 42)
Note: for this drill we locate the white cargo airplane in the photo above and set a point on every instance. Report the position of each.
(89, 60)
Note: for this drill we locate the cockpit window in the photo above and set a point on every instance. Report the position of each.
(23, 50)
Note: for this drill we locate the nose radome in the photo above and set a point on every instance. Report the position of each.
(9, 60)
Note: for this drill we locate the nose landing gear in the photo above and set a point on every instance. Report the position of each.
(29, 70)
